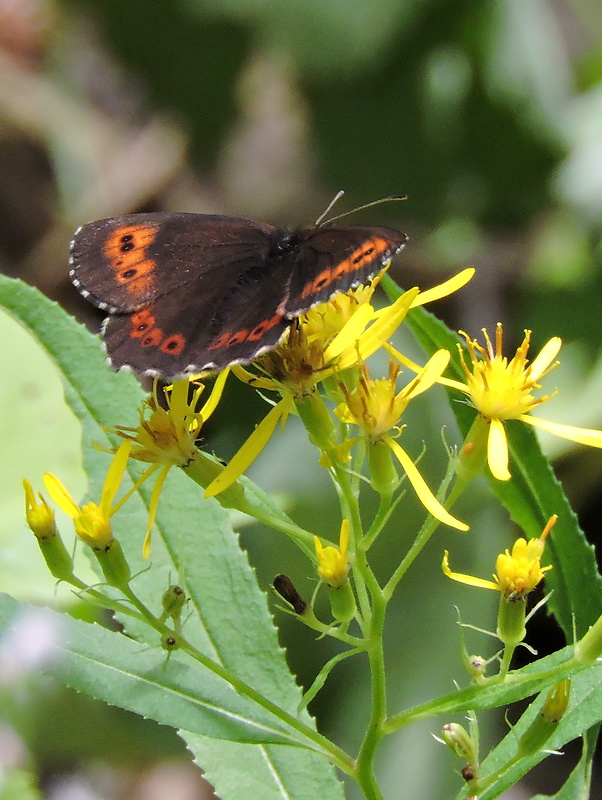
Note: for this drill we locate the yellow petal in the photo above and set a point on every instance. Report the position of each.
(344, 538)
(587, 436)
(426, 497)
(349, 334)
(215, 396)
(546, 355)
(386, 323)
(114, 476)
(445, 288)
(250, 449)
(431, 372)
(497, 451)
(407, 362)
(468, 579)
(60, 495)
(152, 509)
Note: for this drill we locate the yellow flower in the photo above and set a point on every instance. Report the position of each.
(501, 390)
(168, 430)
(329, 338)
(517, 573)
(40, 517)
(92, 522)
(333, 564)
(167, 434)
(375, 406)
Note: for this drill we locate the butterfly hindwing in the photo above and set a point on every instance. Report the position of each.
(187, 332)
(334, 259)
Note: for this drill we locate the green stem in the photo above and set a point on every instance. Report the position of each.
(321, 744)
(428, 529)
(249, 499)
(464, 700)
(364, 771)
(385, 509)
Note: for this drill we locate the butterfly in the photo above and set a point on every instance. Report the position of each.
(187, 293)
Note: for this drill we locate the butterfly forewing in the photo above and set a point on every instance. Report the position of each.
(122, 263)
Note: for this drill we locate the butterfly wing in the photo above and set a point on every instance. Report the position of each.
(124, 263)
(334, 259)
(189, 329)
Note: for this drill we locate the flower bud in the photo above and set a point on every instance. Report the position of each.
(174, 599)
(40, 518)
(589, 649)
(546, 722)
(476, 665)
(169, 642)
(383, 475)
(460, 741)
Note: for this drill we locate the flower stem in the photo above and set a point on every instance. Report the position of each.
(364, 771)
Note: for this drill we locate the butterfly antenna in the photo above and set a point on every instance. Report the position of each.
(337, 197)
(390, 199)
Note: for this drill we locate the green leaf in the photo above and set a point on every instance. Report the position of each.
(193, 544)
(283, 772)
(530, 497)
(578, 783)
(584, 712)
(521, 683)
(120, 671)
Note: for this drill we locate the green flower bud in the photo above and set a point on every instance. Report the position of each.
(383, 475)
(460, 741)
(589, 649)
(174, 599)
(342, 602)
(113, 563)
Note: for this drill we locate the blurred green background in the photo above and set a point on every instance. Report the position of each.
(486, 113)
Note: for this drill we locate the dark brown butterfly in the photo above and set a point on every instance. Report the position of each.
(193, 292)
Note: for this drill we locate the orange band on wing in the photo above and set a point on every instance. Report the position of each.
(143, 328)
(126, 250)
(360, 258)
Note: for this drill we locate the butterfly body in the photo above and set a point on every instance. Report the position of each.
(191, 292)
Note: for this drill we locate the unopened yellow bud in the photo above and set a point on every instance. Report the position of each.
(546, 722)
(40, 517)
